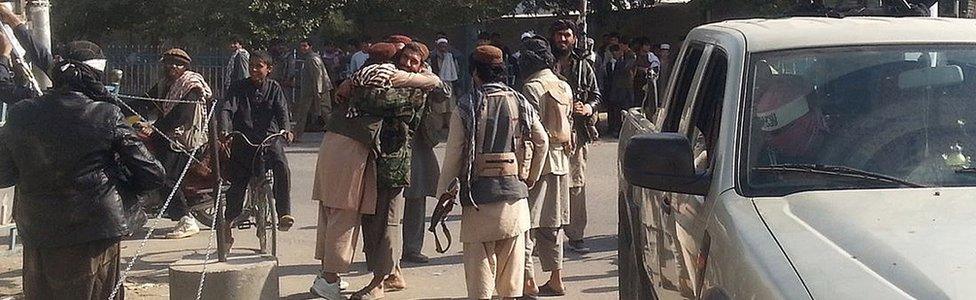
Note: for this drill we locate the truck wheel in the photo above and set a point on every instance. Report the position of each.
(626, 264)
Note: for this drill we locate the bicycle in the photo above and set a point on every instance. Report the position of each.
(259, 202)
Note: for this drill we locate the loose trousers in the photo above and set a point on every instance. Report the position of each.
(414, 216)
(496, 266)
(577, 194)
(243, 170)
(83, 271)
(336, 238)
(382, 234)
(174, 163)
(546, 242)
(577, 214)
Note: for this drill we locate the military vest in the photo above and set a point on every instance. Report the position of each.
(500, 160)
(384, 119)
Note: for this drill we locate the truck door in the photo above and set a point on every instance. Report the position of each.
(699, 119)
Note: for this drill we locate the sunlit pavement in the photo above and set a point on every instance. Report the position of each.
(589, 276)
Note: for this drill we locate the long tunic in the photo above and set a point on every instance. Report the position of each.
(345, 174)
(490, 222)
(549, 198)
(316, 85)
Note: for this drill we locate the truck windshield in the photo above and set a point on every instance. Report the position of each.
(860, 118)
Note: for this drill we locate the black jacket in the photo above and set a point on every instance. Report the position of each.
(584, 86)
(67, 155)
(255, 111)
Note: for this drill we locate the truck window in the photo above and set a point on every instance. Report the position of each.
(705, 115)
(889, 111)
(686, 75)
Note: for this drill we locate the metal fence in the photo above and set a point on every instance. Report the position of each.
(141, 68)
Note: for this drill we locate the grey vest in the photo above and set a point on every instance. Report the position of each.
(497, 165)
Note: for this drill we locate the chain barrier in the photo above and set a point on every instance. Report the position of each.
(152, 228)
(213, 235)
(169, 199)
(133, 97)
(176, 146)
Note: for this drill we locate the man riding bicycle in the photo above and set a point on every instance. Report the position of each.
(256, 108)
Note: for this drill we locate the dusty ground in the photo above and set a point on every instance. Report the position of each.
(590, 276)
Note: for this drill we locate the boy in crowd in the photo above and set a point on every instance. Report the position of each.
(256, 107)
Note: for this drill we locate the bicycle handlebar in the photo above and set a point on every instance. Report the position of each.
(263, 143)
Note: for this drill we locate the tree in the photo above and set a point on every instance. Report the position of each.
(187, 21)
(200, 22)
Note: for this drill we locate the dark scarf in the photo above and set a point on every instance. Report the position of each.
(535, 56)
(76, 76)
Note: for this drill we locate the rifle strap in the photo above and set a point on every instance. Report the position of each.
(437, 240)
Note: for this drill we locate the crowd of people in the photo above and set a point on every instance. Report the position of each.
(517, 144)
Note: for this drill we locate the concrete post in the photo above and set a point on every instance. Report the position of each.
(39, 17)
(253, 277)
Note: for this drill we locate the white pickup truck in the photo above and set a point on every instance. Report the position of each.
(806, 158)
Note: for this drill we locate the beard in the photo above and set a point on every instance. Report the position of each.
(560, 52)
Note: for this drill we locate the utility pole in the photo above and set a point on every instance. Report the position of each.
(39, 16)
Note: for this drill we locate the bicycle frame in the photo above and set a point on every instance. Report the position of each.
(260, 196)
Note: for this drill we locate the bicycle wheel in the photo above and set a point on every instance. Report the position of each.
(260, 204)
(273, 215)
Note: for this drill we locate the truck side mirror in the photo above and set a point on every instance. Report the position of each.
(664, 162)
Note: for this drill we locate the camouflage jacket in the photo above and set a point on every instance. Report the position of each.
(385, 119)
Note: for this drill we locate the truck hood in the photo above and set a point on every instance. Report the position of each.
(884, 244)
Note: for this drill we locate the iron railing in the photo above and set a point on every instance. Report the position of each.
(141, 69)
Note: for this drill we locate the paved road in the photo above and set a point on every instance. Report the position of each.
(590, 276)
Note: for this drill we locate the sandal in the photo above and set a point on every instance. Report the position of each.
(547, 291)
(363, 295)
(394, 284)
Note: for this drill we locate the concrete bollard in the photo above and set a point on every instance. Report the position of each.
(240, 278)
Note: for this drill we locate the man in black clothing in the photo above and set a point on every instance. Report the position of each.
(256, 107)
(69, 157)
(36, 53)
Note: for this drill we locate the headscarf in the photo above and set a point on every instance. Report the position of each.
(82, 70)
(182, 86)
(535, 55)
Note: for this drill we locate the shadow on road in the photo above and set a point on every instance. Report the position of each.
(611, 274)
(358, 269)
(435, 261)
(601, 290)
(301, 296)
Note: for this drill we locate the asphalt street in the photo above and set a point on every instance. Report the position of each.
(587, 276)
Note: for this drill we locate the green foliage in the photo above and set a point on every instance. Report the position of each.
(288, 19)
(429, 13)
(202, 22)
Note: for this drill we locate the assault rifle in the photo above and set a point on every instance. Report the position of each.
(581, 92)
(21, 67)
(444, 206)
